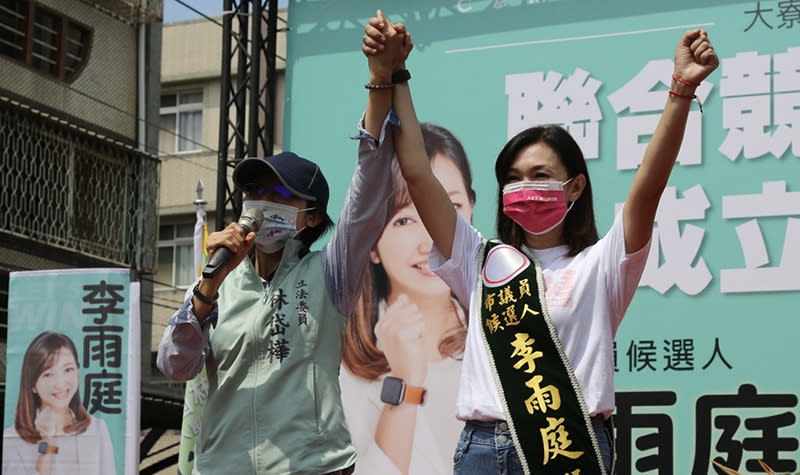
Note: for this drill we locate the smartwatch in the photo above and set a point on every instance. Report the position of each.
(395, 391)
(45, 448)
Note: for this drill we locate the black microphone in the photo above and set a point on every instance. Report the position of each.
(250, 221)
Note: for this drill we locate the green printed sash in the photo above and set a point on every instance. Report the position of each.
(542, 400)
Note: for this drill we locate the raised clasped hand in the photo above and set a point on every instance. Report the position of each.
(386, 45)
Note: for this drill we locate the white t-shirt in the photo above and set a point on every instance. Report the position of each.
(587, 296)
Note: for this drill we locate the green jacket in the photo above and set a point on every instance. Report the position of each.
(273, 368)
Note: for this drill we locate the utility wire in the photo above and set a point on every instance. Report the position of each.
(158, 126)
(151, 124)
(124, 112)
(212, 20)
(162, 153)
(235, 35)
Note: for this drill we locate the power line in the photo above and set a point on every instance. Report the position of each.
(163, 153)
(236, 35)
(212, 20)
(135, 117)
(198, 12)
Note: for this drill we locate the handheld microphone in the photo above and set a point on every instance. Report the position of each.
(250, 221)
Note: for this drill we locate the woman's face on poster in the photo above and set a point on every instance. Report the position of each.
(404, 245)
(58, 384)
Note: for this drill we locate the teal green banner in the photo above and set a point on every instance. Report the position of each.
(72, 378)
(703, 358)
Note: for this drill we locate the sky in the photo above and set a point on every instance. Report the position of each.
(175, 11)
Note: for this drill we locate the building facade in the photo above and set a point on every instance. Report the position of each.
(79, 159)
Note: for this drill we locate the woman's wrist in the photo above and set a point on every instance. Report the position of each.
(380, 77)
(414, 378)
(682, 86)
(47, 446)
(380, 81)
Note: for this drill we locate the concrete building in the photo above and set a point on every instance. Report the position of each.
(107, 124)
(78, 143)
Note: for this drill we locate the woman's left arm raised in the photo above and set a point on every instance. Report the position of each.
(695, 59)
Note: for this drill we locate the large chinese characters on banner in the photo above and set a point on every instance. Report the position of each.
(72, 383)
(704, 360)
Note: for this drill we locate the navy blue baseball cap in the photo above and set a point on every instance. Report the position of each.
(301, 176)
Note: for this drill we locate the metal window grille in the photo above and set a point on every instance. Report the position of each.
(68, 187)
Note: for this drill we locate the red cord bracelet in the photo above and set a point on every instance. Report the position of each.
(684, 96)
(684, 81)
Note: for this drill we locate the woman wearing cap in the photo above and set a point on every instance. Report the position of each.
(269, 329)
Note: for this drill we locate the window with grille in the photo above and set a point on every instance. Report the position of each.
(44, 39)
(181, 122)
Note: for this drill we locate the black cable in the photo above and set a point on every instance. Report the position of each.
(124, 112)
(212, 20)
(198, 12)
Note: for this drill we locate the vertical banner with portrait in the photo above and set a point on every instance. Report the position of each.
(702, 371)
(73, 373)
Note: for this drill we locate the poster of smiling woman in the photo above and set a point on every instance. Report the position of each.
(72, 395)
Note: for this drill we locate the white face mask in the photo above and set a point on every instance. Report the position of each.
(279, 224)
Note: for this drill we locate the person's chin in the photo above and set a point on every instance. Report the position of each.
(56, 405)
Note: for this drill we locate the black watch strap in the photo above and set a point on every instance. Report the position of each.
(400, 76)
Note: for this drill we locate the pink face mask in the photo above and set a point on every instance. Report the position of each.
(537, 206)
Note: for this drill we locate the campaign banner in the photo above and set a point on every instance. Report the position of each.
(702, 359)
(73, 373)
